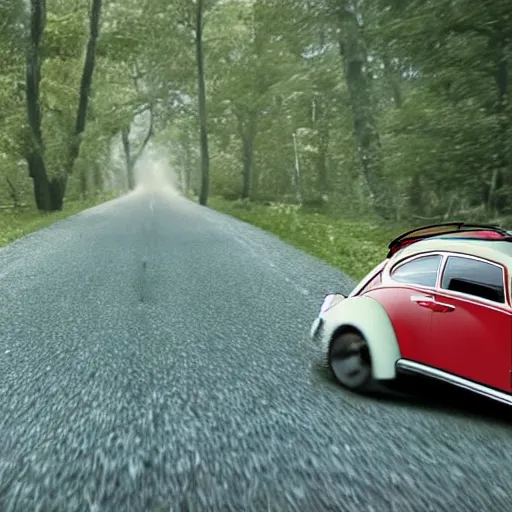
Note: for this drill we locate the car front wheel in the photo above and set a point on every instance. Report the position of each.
(349, 361)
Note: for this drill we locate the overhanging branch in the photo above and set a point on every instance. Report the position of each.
(148, 135)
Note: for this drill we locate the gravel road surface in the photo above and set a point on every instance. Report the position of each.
(154, 355)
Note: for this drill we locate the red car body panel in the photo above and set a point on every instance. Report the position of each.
(412, 324)
(463, 335)
(473, 341)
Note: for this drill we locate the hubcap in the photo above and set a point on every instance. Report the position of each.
(350, 361)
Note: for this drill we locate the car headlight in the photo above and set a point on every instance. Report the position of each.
(330, 301)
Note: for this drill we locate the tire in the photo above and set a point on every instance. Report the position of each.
(349, 361)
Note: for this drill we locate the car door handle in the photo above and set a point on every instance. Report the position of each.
(440, 307)
(422, 300)
(429, 302)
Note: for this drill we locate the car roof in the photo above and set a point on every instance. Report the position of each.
(453, 228)
(499, 251)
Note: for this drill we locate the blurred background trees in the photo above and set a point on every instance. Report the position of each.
(396, 107)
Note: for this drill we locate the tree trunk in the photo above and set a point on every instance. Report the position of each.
(247, 144)
(188, 160)
(320, 124)
(203, 129)
(502, 171)
(13, 193)
(131, 161)
(296, 168)
(83, 182)
(353, 50)
(86, 82)
(35, 153)
(57, 187)
(322, 176)
(37, 172)
(416, 200)
(49, 193)
(247, 135)
(125, 135)
(97, 178)
(319, 119)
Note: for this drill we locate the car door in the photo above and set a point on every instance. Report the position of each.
(472, 323)
(405, 295)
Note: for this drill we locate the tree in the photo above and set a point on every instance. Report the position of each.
(244, 71)
(339, 105)
(192, 17)
(458, 54)
(201, 98)
(131, 157)
(35, 152)
(49, 191)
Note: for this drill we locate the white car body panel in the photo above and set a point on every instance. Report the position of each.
(370, 318)
(368, 277)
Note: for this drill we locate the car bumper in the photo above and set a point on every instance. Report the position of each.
(330, 301)
(316, 328)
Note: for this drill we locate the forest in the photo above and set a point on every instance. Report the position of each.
(395, 109)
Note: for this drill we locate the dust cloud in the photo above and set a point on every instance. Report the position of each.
(154, 174)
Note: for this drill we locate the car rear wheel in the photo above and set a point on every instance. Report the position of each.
(349, 361)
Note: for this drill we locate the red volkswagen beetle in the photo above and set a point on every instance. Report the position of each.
(439, 305)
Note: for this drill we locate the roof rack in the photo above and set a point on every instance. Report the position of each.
(433, 230)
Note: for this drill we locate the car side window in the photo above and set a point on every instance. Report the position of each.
(474, 277)
(421, 271)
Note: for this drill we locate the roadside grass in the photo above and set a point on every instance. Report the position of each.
(354, 246)
(18, 222)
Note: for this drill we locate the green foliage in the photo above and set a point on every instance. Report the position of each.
(114, 101)
(18, 222)
(66, 31)
(280, 103)
(355, 246)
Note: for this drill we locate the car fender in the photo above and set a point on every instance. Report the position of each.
(369, 317)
